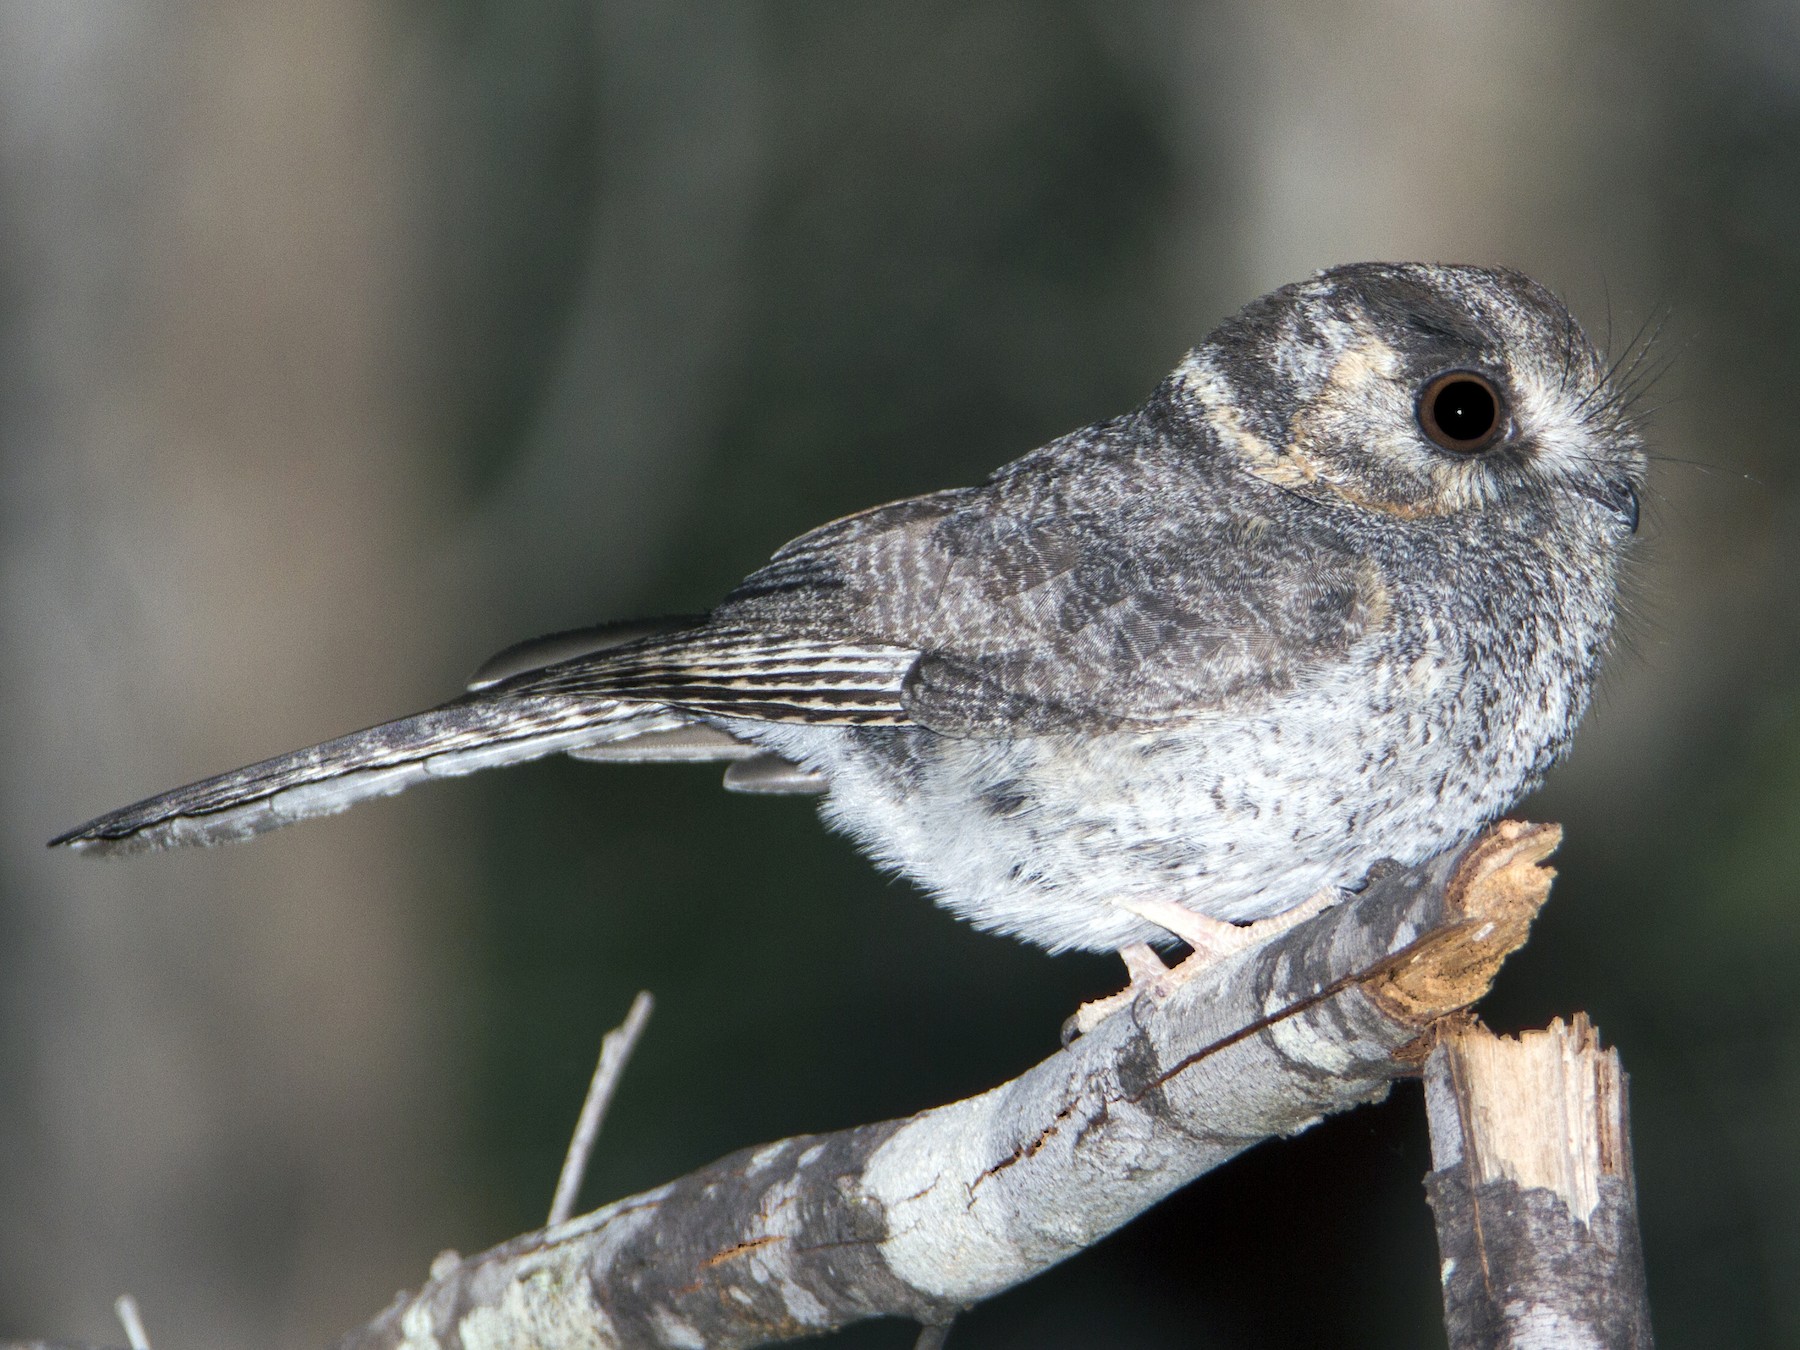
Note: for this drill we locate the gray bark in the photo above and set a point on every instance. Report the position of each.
(1533, 1192)
(920, 1217)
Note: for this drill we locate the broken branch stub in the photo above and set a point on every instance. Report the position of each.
(920, 1217)
(1533, 1192)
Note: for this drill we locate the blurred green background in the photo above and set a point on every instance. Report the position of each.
(341, 344)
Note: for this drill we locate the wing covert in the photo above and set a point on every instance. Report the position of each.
(1052, 598)
(1055, 598)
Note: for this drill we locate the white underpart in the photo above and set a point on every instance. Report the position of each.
(1235, 816)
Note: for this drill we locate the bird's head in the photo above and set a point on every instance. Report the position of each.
(1424, 392)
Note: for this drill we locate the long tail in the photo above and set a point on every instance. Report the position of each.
(478, 731)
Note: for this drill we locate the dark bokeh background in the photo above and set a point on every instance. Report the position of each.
(341, 344)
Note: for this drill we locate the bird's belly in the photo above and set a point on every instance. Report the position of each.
(1234, 817)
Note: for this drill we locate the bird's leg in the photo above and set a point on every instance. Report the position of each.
(1215, 939)
(1142, 963)
(1212, 941)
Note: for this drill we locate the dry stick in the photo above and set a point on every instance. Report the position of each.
(920, 1218)
(1533, 1192)
(615, 1050)
(126, 1307)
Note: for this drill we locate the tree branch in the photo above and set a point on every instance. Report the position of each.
(921, 1217)
(1533, 1192)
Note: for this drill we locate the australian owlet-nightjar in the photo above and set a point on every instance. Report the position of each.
(1337, 592)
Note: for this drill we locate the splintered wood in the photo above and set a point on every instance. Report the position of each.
(1550, 1114)
(1498, 887)
(1533, 1191)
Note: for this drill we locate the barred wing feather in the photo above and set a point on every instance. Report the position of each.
(731, 672)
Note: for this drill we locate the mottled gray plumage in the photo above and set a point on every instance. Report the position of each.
(1226, 650)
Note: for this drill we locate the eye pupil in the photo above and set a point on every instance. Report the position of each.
(1464, 410)
(1460, 411)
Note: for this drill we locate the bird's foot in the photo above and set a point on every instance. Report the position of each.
(1215, 939)
(1212, 940)
(1146, 970)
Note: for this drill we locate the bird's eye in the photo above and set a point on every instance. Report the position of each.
(1461, 411)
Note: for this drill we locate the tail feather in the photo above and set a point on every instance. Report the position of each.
(531, 656)
(670, 738)
(478, 731)
(621, 692)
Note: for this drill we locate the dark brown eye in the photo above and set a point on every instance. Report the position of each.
(1460, 411)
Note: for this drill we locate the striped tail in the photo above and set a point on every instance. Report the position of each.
(644, 692)
(479, 731)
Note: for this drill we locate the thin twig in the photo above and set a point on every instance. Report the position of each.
(127, 1309)
(615, 1049)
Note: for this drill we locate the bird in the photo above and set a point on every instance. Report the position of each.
(1337, 593)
